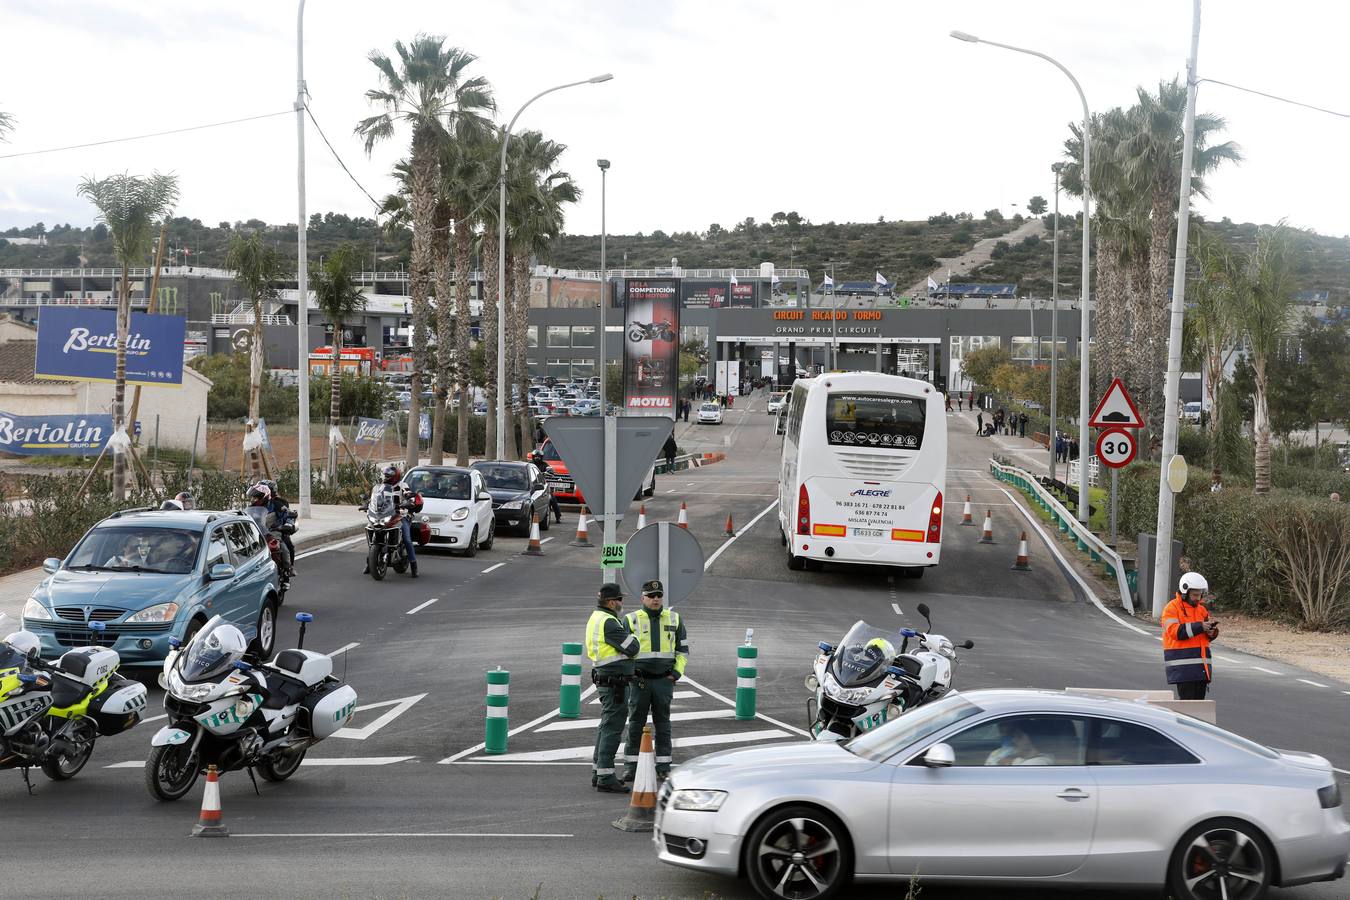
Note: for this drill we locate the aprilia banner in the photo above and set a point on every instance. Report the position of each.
(53, 435)
(80, 344)
(703, 294)
(651, 347)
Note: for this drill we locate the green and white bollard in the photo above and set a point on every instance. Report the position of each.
(569, 694)
(746, 672)
(498, 696)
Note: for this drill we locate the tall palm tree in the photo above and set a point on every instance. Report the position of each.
(257, 268)
(131, 207)
(6, 124)
(1211, 327)
(339, 298)
(1151, 158)
(426, 90)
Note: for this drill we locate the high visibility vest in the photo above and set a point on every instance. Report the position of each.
(598, 650)
(1185, 644)
(659, 644)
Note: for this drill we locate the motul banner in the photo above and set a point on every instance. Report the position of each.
(651, 347)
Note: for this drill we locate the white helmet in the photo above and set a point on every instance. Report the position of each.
(1193, 581)
(25, 643)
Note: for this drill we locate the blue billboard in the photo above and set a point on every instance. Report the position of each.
(53, 435)
(77, 344)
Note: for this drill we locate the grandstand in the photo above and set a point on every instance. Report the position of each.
(859, 289)
(974, 291)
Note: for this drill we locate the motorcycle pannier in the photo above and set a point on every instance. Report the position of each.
(119, 707)
(422, 533)
(330, 706)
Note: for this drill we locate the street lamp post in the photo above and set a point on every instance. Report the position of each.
(501, 260)
(604, 279)
(1054, 328)
(302, 269)
(1084, 447)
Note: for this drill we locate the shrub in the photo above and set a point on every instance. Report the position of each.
(1311, 559)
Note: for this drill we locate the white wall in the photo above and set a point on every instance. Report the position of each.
(178, 409)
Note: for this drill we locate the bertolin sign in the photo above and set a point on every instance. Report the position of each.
(53, 435)
(80, 344)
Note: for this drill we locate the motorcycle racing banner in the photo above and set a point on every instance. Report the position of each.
(651, 347)
(53, 435)
(80, 344)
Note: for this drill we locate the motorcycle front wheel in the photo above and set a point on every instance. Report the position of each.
(375, 559)
(171, 771)
(281, 766)
(61, 766)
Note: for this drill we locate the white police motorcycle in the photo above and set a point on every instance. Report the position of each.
(864, 681)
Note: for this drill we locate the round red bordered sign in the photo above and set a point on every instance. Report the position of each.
(1116, 447)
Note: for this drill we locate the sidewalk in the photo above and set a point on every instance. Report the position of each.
(1023, 451)
(326, 524)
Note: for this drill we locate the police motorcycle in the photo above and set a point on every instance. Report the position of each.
(864, 681)
(384, 530)
(52, 713)
(273, 528)
(235, 714)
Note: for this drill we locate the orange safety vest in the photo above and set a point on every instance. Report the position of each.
(1185, 644)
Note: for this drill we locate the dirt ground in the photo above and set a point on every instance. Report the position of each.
(224, 447)
(1324, 652)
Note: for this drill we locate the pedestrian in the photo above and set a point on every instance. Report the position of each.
(663, 651)
(1022, 425)
(1187, 633)
(960, 402)
(948, 399)
(979, 423)
(970, 401)
(611, 648)
(668, 450)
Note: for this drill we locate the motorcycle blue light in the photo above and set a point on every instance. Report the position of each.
(27, 678)
(304, 617)
(97, 626)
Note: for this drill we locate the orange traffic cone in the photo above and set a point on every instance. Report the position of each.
(583, 539)
(1022, 564)
(642, 516)
(731, 529)
(965, 513)
(683, 521)
(209, 823)
(987, 537)
(535, 548)
(641, 815)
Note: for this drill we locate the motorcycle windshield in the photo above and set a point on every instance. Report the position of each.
(382, 503)
(864, 654)
(211, 653)
(262, 517)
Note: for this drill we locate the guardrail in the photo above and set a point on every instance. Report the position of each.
(1068, 523)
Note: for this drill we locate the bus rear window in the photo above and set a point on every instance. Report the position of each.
(874, 420)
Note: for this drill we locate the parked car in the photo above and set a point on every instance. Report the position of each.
(586, 408)
(1023, 787)
(457, 506)
(517, 491)
(709, 414)
(152, 575)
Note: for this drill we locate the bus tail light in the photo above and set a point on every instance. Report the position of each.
(803, 511)
(935, 520)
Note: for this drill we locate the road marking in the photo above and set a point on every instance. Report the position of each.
(1342, 771)
(672, 490)
(546, 540)
(693, 695)
(729, 541)
(565, 753)
(1264, 669)
(577, 724)
(519, 728)
(493, 568)
(711, 693)
(166, 715)
(344, 648)
(129, 764)
(400, 706)
(421, 606)
(333, 546)
(1313, 683)
(398, 834)
(898, 610)
(357, 760)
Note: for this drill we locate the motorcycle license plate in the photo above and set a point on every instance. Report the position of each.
(867, 723)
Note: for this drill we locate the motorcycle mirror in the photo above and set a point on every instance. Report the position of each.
(967, 644)
(923, 611)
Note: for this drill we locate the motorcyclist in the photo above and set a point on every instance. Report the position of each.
(185, 500)
(261, 495)
(542, 465)
(407, 499)
(280, 507)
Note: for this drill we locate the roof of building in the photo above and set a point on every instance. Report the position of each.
(17, 362)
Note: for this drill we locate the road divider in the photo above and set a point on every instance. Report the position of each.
(987, 532)
(1022, 563)
(641, 815)
(583, 538)
(210, 822)
(965, 513)
(683, 520)
(731, 529)
(498, 704)
(569, 692)
(747, 673)
(535, 548)
(642, 516)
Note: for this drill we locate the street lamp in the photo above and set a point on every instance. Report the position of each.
(604, 368)
(1084, 448)
(501, 260)
(302, 269)
(1057, 168)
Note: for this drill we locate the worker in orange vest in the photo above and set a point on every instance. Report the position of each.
(1187, 632)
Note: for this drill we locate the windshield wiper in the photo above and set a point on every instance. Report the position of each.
(87, 567)
(135, 569)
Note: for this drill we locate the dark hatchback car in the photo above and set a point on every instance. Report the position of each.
(518, 492)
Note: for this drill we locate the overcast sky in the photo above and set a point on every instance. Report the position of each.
(719, 109)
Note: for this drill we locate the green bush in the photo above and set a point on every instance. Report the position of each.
(229, 374)
(358, 396)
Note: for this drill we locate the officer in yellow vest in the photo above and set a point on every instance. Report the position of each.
(611, 648)
(663, 651)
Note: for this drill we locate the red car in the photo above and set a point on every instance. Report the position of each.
(559, 479)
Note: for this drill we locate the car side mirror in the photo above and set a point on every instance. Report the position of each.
(50, 565)
(939, 756)
(484, 495)
(220, 572)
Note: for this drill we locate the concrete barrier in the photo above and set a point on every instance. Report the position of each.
(1204, 710)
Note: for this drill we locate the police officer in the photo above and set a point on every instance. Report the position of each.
(1187, 633)
(611, 648)
(663, 651)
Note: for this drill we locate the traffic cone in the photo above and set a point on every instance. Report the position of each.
(582, 539)
(1022, 564)
(684, 516)
(731, 529)
(987, 536)
(641, 815)
(965, 513)
(535, 548)
(209, 823)
(642, 516)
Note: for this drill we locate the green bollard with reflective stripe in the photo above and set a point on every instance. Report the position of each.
(569, 694)
(498, 690)
(746, 673)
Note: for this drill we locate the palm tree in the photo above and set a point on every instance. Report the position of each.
(1263, 284)
(426, 90)
(6, 124)
(1211, 331)
(257, 268)
(131, 207)
(339, 298)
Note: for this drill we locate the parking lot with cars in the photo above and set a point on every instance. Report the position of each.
(405, 799)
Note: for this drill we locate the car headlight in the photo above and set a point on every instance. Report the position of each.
(513, 504)
(157, 614)
(35, 610)
(698, 801)
(460, 514)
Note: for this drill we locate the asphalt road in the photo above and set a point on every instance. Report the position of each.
(407, 805)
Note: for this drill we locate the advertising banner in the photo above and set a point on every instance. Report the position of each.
(370, 431)
(743, 294)
(574, 293)
(53, 435)
(424, 426)
(703, 294)
(651, 347)
(80, 344)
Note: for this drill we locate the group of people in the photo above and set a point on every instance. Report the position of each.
(1001, 422)
(961, 401)
(1066, 448)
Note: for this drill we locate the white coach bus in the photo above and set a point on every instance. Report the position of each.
(863, 472)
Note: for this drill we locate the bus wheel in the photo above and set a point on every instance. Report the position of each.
(795, 563)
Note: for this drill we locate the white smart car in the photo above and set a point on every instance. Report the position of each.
(457, 506)
(710, 414)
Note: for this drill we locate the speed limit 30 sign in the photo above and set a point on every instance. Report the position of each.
(1116, 447)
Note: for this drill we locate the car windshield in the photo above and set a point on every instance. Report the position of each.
(211, 653)
(708, 407)
(130, 548)
(884, 421)
(508, 478)
(864, 654)
(885, 741)
(440, 485)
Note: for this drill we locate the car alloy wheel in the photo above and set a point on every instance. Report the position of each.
(1224, 860)
(798, 853)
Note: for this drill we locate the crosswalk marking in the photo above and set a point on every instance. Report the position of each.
(576, 724)
(707, 740)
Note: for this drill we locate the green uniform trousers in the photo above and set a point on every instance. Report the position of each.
(613, 710)
(652, 694)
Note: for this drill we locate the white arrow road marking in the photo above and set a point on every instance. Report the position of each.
(344, 648)
(399, 708)
(574, 724)
(739, 737)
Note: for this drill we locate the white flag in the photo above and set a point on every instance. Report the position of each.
(881, 279)
(775, 280)
(733, 278)
(932, 285)
(829, 282)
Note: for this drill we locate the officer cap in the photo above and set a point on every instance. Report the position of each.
(653, 587)
(610, 592)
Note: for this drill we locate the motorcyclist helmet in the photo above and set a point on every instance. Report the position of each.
(171, 504)
(215, 648)
(392, 475)
(1193, 581)
(259, 494)
(25, 643)
(185, 500)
